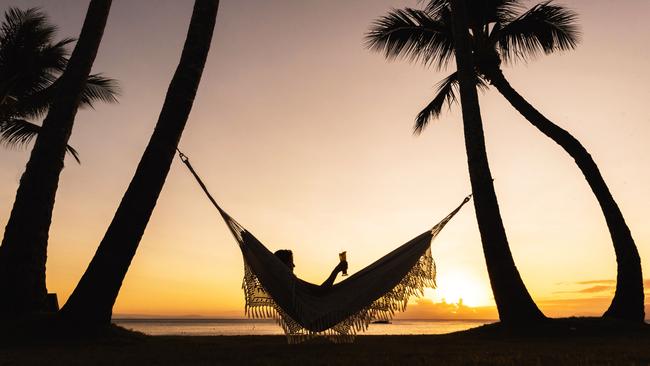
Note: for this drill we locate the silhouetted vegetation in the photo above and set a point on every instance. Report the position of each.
(502, 32)
(91, 303)
(31, 63)
(23, 252)
(514, 303)
(572, 342)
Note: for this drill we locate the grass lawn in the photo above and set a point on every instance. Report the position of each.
(569, 342)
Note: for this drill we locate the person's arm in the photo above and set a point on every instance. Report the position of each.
(342, 266)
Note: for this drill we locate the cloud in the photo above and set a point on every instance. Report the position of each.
(593, 282)
(589, 290)
(598, 286)
(425, 308)
(585, 306)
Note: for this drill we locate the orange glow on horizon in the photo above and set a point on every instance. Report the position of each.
(458, 286)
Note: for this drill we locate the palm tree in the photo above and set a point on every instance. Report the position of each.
(91, 302)
(24, 247)
(501, 32)
(513, 301)
(30, 66)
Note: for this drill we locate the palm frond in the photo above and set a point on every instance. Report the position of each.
(54, 57)
(31, 106)
(435, 6)
(481, 83)
(72, 151)
(25, 30)
(445, 94)
(545, 28)
(99, 88)
(502, 11)
(414, 35)
(29, 60)
(36, 105)
(17, 133)
(21, 25)
(480, 13)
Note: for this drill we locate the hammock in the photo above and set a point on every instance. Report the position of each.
(303, 311)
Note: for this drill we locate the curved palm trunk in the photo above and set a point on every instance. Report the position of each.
(24, 247)
(628, 299)
(513, 301)
(92, 301)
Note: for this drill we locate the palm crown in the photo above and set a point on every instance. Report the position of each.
(30, 65)
(501, 30)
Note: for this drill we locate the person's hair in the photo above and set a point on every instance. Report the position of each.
(285, 255)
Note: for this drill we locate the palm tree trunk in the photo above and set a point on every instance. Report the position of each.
(628, 299)
(24, 247)
(513, 301)
(91, 303)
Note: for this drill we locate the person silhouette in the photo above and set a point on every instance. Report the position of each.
(286, 256)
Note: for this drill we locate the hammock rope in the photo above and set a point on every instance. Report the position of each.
(227, 218)
(376, 292)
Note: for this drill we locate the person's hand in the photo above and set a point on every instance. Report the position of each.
(342, 266)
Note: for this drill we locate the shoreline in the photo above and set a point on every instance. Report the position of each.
(236, 327)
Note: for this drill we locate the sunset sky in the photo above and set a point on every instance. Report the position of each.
(305, 137)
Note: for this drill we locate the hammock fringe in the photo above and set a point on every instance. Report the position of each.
(260, 305)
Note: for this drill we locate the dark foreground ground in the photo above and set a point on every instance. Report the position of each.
(569, 342)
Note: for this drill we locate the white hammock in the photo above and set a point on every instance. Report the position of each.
(304, 311)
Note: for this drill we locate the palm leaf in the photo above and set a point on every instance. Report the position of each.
(545, 28)
(29, 61)
(26, 25)
(17, 133)
(54, 57)
(480, 13)
(503, 11)
(445, 95)
(435, 6)
(99, 88)
(414, 35)
(72, 151)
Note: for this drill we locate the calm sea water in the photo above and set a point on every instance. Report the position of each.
(228, 327)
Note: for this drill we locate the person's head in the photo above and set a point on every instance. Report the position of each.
(286, 256)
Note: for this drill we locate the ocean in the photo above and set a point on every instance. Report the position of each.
(231, 327)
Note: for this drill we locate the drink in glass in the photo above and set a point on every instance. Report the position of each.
(342, 258)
